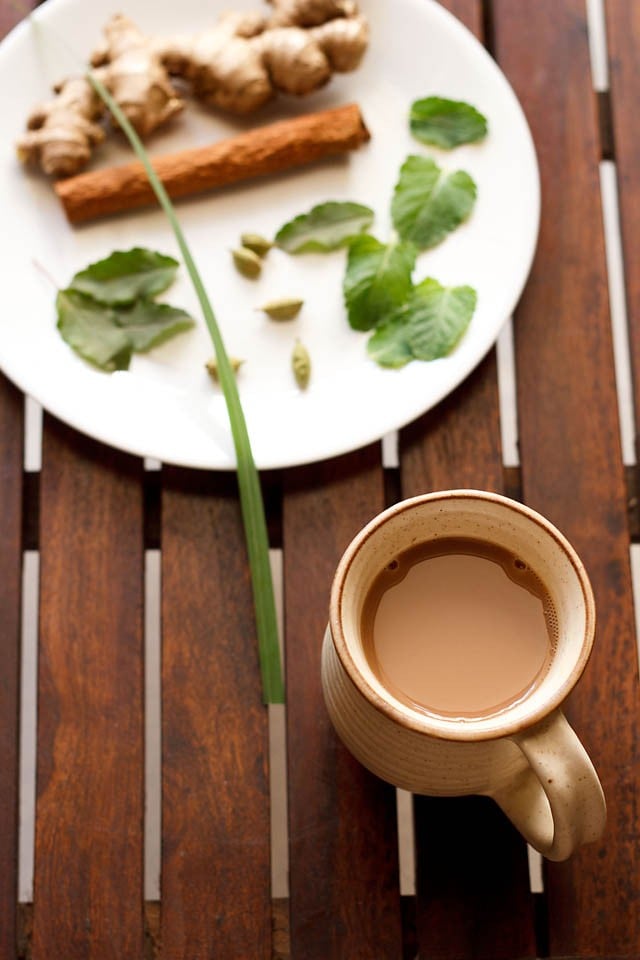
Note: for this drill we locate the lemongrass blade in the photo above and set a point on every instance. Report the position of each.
(251, 501)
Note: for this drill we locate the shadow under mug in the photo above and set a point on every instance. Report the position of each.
(526, 757)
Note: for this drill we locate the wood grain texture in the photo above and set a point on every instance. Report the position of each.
(571, 465)
(342, 823)
(88, 858)
(11, 426)
(623, 35)
(215, 826)
(458, 443)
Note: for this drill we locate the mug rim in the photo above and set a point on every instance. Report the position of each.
(431, 724)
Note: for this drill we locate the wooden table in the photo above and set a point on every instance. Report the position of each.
(94, 514)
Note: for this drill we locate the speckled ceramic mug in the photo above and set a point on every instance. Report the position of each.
(526, 757)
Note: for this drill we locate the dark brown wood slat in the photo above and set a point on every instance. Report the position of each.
(215, 870)
(623, 36)
(11, 427)
(472, 874)
(342, 830)
(458, 443)
(571, 465)
(88, 863)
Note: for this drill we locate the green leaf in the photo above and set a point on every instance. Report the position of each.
(148, 323)
(427, 327)
(126, 275)
(437, 317)
(429, 203)
(107, 336)
(377, 280)
(446, 123)
(91, 330)
(326, 227)
(388, 344)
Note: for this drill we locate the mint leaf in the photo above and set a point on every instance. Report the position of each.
(377, 279)
(148, 324)
(326, 227)
(106, 313)
(107, 336)
(91, 330)
(388, 345)
(126, 275)
(446, 123)
(436, 318)
(428, 326)
(429, 203)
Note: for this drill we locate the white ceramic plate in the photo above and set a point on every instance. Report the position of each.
(166, 406)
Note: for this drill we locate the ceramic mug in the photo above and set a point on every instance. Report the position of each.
(526, 757)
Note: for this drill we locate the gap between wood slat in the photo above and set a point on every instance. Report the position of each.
(278, 757)
(391, 468)
(536, 877)
(280, 932)
(507, 396)
(632, 481)
(635, 583)
(278, 796)
(406, 843)
(617, 301)
(152, 724)
(541, 924)
(32, 435)
(597, 45)
(30, 510)
(152, 509)
(488, 31)
(390, 454)
(28, 721)
(512, 483)
(605, 126)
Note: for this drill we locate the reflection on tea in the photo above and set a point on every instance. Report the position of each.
(458, 627)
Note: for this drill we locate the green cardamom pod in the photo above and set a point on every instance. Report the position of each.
(286, 308)
(301, 365)
(247, 262)
(212, 367)
(254, 241)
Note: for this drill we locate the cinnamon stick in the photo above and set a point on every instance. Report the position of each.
(263, 150)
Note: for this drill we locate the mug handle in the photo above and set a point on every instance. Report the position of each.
(557, 803)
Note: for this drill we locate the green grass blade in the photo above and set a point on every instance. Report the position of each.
(251, 502)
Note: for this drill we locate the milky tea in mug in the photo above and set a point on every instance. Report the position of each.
(459, 627)
(459, 622)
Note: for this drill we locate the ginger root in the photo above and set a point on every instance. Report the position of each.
(222, 66)
(309, 13)
(245, 60)
(62, 131)
(239, 64)
(135, 76)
